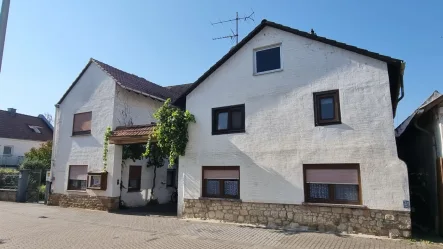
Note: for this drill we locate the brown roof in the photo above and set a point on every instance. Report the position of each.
(134, 130)
(17, 127)
(395, 66)
(133, 83)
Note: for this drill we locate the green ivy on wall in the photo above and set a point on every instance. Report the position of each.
(108, 133)
(171, 132)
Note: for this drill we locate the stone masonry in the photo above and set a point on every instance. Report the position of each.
(8, 194)
(331, 218)
(84, 201)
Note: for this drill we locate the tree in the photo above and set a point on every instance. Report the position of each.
(49, 118)
(42, 155)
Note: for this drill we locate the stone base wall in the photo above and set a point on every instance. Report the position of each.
(8, 195)
(84, 201)
(330, 218)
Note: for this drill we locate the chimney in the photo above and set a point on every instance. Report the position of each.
(12, 111)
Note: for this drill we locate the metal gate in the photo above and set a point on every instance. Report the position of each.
(33, 190)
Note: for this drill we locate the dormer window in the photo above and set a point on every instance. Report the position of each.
(35, 128)
(267, 60)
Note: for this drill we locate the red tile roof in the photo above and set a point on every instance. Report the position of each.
(134, 130)
(134, 83)
(17, 127)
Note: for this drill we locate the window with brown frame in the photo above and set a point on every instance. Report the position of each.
(134, 181)
(332, 183)
(82, 123)
(77, 178)
(221, 181)
(228, 119)
(327, 108)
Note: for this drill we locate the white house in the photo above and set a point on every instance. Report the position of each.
(103, 96)
(296, 130)
(19, 133)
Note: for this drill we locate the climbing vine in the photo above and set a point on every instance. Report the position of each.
(108, 133)
(171, 131)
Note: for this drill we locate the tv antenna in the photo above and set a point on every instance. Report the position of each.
(236, 19)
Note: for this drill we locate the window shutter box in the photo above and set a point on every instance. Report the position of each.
(222, 174)
(97, 180)
(78, 172)
(332, 176)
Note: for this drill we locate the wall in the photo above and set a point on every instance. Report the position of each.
(20, 147)
(136, 109)
(280, 133)
(349, 219)
(8, 195)
(140, 198)
(94, 92)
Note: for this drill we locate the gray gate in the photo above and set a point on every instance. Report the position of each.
(34, 182)
(29, 186)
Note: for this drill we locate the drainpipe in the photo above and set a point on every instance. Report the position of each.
(434, 145)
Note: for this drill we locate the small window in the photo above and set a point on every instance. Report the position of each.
(267, 60)
(327, 108)
(230, 119)
(170, 178)
(7, 150)
(97, 180)
(82, 123)
(135, 174)
(78, 175)
(332, 183)
(36, 129)
(221, 182)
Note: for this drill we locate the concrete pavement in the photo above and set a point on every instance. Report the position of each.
(39, 226)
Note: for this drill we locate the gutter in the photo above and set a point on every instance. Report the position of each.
(402, 87)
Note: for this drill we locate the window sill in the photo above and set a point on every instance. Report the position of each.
(134, 190)
(228, 132)
(328, 123)
(270, 71)
(219, 199)
(335, 205)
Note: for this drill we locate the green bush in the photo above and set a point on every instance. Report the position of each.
(35, 164)
(41, 192)
(7, 171)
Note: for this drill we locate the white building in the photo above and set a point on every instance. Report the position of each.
(296, 130)
(103, 96)
(19, 133)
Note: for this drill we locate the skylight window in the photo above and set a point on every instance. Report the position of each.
(36, 129)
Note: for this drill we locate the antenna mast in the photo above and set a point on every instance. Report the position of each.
(236, 19)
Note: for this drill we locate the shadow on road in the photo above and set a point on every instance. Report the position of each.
(168, 209)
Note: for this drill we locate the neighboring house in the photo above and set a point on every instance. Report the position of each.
(419, 141)
(103, 96)
(19, 133)
(293, 129)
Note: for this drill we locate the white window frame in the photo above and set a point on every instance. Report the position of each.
(12, 150)
(266, 48)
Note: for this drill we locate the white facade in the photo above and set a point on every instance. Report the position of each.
(111, 106)
(19, 148)
(280, 132)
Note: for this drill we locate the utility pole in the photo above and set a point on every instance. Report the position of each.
(3, 23)
(236, 19)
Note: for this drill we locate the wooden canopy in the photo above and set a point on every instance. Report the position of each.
(134, 134)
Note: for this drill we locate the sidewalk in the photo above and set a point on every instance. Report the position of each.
(39, 226)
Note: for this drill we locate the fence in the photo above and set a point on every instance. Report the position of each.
(9, 180)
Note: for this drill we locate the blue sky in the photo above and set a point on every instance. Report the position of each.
(170, 42)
